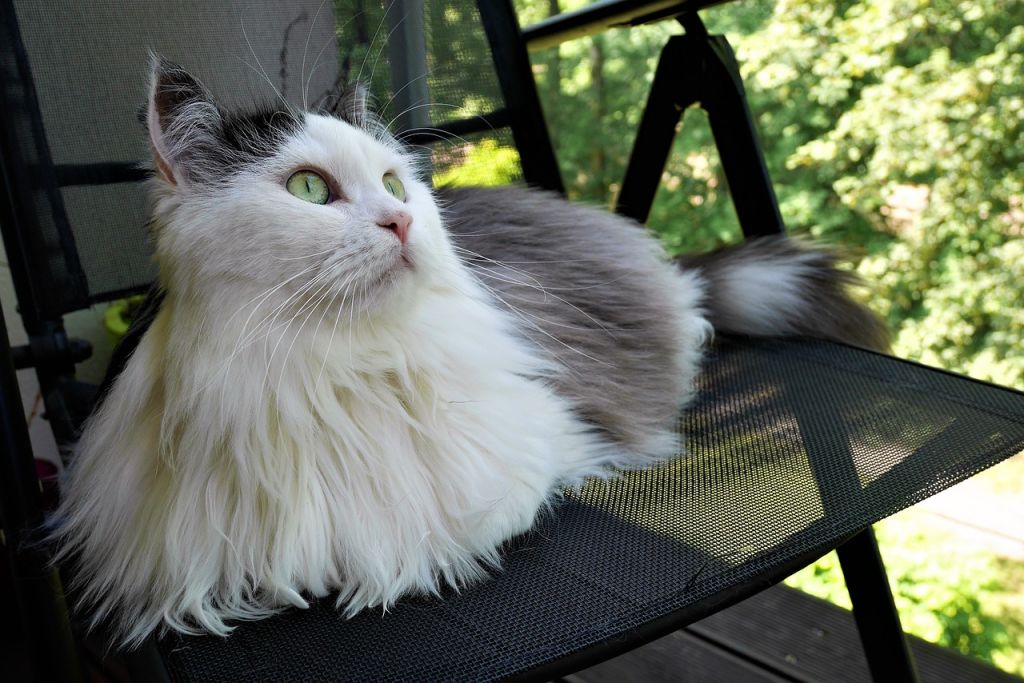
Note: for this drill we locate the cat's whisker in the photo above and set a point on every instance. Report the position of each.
(330, 308)
(302, 70)
(568, 326)
(484, 271)
(332, 40)
(522, 316)
(312, 310)
(373, 40)
(446, 139)
(239, 345)
(546, 293)
(264, 335)
(603, 283)
(264, 296)
(439, 133)
(316, 65)
(421, 105)
(323, 279)
(520, 313)
(300, 258)
(478, 256)
(384, 43)
(260, 71)
(469, 234)
(277, 310)
(474, 255)
(399, 91)
(343, 289)
(542, 262)
(247, 337)
(351, 326)
(273, 353)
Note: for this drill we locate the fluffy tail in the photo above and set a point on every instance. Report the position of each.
(779, 286)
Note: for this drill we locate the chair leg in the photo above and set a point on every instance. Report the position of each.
(39, 616)
(515, 76)
(671, 92)
(700, 68)
(878, 622)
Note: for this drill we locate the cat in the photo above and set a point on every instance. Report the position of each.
(356, 385)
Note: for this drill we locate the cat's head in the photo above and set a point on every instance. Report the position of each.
(325, 207)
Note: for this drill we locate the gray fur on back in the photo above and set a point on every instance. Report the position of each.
(594, 292)
(589, 288)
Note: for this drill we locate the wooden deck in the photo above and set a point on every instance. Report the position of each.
(780, 635)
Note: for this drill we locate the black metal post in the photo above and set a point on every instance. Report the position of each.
(700, 68)
(671, 92)
(51, 279)
(739, 147)
(878, 622)
(45, 630)
(519, 90)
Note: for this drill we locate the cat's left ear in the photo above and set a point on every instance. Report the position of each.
(350, 104)
(185, 125)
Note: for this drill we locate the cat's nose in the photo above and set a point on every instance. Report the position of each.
(397, 222)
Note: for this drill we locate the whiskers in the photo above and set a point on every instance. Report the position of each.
(328, 292)
(528, 280)
(539, 324)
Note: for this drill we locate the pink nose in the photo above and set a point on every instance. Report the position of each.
(397, 222)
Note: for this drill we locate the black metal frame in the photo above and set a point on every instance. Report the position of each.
(45, 289)
(694, 67)
(878, 621)
(512, 63)
(41, 616)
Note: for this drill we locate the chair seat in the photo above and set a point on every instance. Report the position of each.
(793, 447)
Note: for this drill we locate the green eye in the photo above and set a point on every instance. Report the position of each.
(393, 185)
(309, 186)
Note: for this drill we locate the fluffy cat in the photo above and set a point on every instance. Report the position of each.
(356, 385)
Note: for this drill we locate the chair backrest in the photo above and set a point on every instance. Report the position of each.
(74, 79)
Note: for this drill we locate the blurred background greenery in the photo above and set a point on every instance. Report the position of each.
(893, 130)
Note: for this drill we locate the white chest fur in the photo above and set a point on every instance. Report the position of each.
(372, 460)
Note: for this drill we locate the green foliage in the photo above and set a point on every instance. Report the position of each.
(966, 602)
(485, 164)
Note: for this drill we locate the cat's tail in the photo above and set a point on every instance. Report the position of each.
(779, 286)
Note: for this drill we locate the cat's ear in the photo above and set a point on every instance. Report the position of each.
(183, 121)
(350, 104)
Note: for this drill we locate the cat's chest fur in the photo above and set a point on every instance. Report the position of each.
(324, 455)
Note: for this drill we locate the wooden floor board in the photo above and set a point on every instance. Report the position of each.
(679, 656)
(779, 635)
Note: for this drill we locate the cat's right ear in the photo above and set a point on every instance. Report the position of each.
(183, 122)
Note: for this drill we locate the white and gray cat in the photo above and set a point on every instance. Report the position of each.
(357, 385)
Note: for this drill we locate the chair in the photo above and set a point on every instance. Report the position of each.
(798, 446)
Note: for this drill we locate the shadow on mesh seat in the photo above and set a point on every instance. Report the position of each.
(795, 447)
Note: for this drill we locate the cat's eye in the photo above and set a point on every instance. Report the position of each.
(393, 185)
(309, 186)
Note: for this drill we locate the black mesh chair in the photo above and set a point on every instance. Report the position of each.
(797, 446)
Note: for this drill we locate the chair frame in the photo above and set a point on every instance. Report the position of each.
(693, 68)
